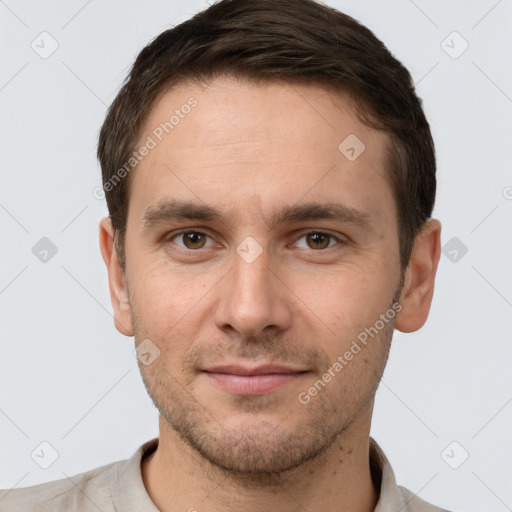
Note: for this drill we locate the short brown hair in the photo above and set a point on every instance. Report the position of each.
(271, 40)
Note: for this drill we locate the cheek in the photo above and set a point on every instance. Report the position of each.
(169, 303)
(348, 298)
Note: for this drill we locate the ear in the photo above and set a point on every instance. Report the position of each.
(418, 288)
(116, 279)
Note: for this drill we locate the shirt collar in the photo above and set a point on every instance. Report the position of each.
(383, 477)
(130, 495)
(127, 487)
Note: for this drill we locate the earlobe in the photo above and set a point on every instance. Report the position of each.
(116, 279)
(418, 289)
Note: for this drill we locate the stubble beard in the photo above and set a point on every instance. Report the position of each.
(261, 450)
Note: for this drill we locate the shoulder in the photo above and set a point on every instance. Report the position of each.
(88, 491)
(413, 503)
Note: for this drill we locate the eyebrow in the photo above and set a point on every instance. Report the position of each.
(172, 210)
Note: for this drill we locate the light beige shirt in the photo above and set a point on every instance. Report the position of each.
(118, 487)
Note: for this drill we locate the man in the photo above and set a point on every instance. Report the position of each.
(270, 177)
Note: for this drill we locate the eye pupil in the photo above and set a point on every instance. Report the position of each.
(193, 238)
(318, 238)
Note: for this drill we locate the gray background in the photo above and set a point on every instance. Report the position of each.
(69, 378)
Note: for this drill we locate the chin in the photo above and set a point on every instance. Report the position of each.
(255, 444)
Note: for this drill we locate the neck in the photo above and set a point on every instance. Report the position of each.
(178, 478)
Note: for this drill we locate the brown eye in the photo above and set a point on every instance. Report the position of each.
(318, 240)
(193, 240)
(188, 242)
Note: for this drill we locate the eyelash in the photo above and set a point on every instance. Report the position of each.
(186, 231)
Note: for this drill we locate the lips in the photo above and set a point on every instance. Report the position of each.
(256, 380)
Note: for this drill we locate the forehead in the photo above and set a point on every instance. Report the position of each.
(274, 140)
(228, 108)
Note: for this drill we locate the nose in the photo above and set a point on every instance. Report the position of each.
(253, 300)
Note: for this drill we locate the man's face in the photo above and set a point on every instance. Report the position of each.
(250, 292)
